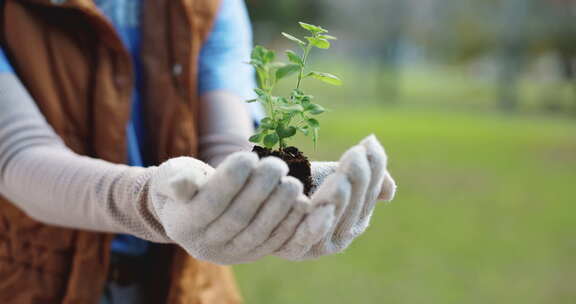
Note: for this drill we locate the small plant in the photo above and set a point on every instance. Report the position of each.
(285, 116)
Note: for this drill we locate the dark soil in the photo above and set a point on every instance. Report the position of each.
(298, 163)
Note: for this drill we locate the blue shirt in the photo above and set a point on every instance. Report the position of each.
(5, 66)
(222, 66)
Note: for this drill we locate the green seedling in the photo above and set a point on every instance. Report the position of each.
(286, 116)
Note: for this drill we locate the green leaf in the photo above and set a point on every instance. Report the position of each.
(314, 109)
(292, 108)
(286, 132)
(269, 56)
(286, 117)
(305, 130)
(252, 100)
(270, 140)
(258, 53)
(326, 77)
(256, 63)
(306, 99)
(319, 42)
(327, 37)
(267, 124)
(256, 138)
(287, 70)
(259, 92)
(294, 58)
(323, 44)
(312, 28)
(313, 123)
(300, 42)
(275, 100)
(297, 94)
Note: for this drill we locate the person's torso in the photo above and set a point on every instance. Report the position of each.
(81, 75)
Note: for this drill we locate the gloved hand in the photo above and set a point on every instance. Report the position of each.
(352, 186)
(245, 209)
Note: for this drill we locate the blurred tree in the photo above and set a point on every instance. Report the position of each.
(512, 47)
(272, 17)
(557, 35)
(564, 40)
(375, 29)
(390, 46)
(462, 31)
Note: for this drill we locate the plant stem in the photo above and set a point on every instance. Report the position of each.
(270, 108)
(304, 58)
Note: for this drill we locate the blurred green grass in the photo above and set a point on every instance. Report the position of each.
(484, 213)
(437, 87)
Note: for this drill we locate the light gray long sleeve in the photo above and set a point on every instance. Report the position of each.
(54, 185)
(225, 126)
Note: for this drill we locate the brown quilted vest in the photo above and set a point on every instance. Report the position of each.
(71, 60)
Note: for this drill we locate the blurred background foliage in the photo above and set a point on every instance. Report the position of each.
(475, 102)
(504, 44)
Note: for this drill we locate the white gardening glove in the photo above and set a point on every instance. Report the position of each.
(246, 209)
(352, 186)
